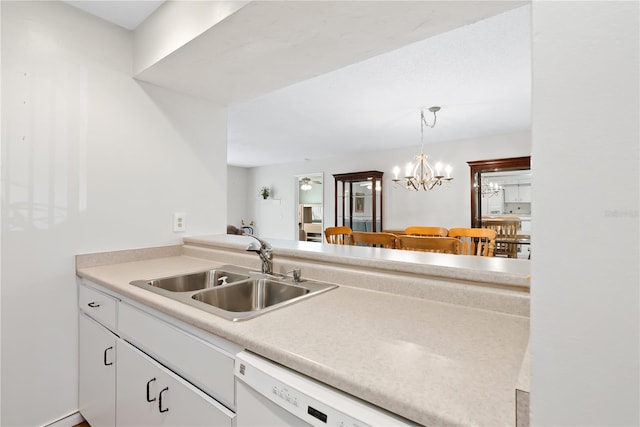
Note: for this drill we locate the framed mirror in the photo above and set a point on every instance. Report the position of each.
(501, 201)
(483, 174)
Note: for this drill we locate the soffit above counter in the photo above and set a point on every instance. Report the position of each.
(242, 50)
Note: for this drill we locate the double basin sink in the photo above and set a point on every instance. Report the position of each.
(232, 292)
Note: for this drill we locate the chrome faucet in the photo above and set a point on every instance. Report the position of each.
(264, 251)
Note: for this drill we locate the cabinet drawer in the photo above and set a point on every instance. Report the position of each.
(199, 362)
(98, 305)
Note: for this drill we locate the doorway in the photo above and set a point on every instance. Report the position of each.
(310, 196)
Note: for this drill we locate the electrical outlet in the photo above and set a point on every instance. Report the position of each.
(179, 221)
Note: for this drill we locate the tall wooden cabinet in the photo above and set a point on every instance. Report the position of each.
(358, 200)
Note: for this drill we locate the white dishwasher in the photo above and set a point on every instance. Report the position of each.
(268, 394)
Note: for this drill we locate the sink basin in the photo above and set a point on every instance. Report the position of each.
(194, 281)
(250, 295)
(245, 294)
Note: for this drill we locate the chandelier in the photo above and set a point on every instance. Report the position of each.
(421, 175)
(489, 190)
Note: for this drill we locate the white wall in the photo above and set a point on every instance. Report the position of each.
(448, 206)
(584, 295)
(91, 161)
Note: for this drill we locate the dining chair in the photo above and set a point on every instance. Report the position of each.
(397, 232)
(338, 235)
(446, 245)
(419, 230)
(506, 229)
(369, 238)
(475, 241)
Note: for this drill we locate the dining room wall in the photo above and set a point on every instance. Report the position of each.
(447, 206)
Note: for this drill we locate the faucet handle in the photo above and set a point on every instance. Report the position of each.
(253, 247)
(297, 274)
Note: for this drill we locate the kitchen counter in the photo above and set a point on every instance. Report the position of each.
(432, 362)
(469, 268)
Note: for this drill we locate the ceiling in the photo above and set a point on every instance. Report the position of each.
(347, 78)
(124, 13)
(479, 74)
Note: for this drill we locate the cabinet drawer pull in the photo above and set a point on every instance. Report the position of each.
(105, 356)
(93, 304)
(148, 384)
(160, 400)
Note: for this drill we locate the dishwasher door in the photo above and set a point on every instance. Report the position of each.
(268, 394)
(255, 410)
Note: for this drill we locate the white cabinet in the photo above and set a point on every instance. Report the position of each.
(208, 367)
(97, 373)
(511, 193)
(150, 395)
(179, 380)
(524, 193)
(100, 306)
(493, 204)
(517, 193)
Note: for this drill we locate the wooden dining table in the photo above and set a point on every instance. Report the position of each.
(518, 239)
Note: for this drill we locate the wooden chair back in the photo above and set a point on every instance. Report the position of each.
(368, 238)
(505, 228)
(394, 231)
(419, 230)
(446, 245)
(475, 241)
(338, 235)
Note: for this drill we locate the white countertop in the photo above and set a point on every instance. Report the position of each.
(431, 362)
(495, 270)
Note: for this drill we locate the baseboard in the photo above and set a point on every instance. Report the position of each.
(70, 420)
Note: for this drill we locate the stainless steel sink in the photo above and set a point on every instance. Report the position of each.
(250, 295)
(194, 281)
(246, 294)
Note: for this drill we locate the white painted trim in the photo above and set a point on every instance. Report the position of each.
(70, 420)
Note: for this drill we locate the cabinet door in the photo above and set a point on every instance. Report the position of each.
(524, 193)
(495, 203)
(150, 395)
(511, 193)
(97, 373)
(198, 362)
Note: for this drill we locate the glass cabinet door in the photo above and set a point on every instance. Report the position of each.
(358, 200)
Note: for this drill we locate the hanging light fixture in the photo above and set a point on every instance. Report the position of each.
(421, 175)
(489, 190)
(305, 183)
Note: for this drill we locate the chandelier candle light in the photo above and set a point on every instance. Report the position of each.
(489, 190)
(422, 176)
